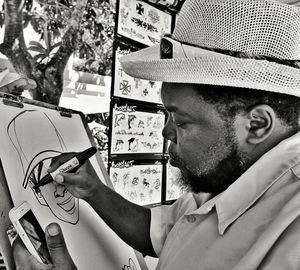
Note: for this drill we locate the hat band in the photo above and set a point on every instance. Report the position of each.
(171, 48)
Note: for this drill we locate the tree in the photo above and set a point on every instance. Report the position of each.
(83, 27)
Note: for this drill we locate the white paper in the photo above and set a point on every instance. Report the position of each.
(30, 137)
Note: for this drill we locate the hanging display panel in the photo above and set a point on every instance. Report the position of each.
(129, 87)
(136, 130)
(142, 22)
(138, 182)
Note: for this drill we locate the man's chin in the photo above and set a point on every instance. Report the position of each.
(193, 183)
(174, 163)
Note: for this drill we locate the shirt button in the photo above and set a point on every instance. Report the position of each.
(191, 218)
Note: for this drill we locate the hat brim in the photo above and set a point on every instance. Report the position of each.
(225, 71)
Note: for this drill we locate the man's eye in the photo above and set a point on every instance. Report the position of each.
(180, 124)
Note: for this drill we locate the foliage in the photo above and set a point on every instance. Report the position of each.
(100, 132)
(50, 18)
(66, 27)
(42, 53)
(95, 52)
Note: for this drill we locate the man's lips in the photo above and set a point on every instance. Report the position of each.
(173, 160)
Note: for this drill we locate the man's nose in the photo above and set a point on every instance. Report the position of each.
(169, 130)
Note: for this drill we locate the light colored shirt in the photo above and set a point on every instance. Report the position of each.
(254, 224)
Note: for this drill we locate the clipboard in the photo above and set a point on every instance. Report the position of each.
(34, 132)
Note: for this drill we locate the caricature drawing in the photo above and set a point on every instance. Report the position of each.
(115, 178)
(135, 181)
(133, 144)
(141, 124)
(35, 159)
(119, 145)
(118, 119)
(131, 118)
(146, 183)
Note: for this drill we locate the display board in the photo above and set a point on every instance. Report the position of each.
(136, 130)
(137, 114)
(129, 87)
(142, 22)
(31, 135)
(139, 182)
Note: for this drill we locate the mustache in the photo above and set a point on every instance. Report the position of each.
(174, 156)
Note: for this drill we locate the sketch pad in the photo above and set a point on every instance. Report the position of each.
(30, 136)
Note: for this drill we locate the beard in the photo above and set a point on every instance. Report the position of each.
(217, 178)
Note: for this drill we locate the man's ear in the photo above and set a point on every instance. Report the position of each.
(261, 123)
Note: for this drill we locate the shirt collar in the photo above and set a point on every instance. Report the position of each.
(251, 185)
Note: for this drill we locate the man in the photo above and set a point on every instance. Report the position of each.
(231, 88)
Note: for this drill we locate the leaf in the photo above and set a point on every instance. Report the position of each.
(39, 56)
(35, 24)
(47, 38)
(37, 49)
(2, 19)
(26, 19)
(37, 44)
(55, 45)
(28, 5)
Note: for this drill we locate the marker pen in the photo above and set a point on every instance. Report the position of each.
(71, 164)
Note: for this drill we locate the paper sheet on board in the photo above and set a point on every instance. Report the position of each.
(30, 137)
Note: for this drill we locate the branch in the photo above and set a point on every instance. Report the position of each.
(70, 40)
(13, 45)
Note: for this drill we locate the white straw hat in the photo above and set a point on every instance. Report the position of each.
(242, 43)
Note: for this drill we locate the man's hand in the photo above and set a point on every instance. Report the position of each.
(57, 248)
(81, 184)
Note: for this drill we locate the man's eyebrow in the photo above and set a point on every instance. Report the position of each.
(175, 109)
(172, 108)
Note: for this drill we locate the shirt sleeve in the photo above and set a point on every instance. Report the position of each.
(163, 218)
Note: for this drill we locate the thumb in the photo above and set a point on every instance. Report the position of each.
(57, 248)
(68, 179)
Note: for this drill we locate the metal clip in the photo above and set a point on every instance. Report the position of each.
(65, 112)
(11, 100)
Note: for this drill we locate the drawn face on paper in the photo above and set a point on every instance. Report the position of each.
(35, 159)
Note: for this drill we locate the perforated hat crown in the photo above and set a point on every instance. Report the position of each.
(242, 43)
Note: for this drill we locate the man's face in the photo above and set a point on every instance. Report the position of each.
(60, 202)
(202, 144)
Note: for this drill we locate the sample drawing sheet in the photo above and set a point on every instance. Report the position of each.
(30, 137)
(135, 131)
(138, 183)
(142, 22)
(134, 88)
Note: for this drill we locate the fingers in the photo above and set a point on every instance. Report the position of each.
(79, 178)
(20, 253)
(68, 179)
(59, 160)
(57, 248)
(23, 259)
